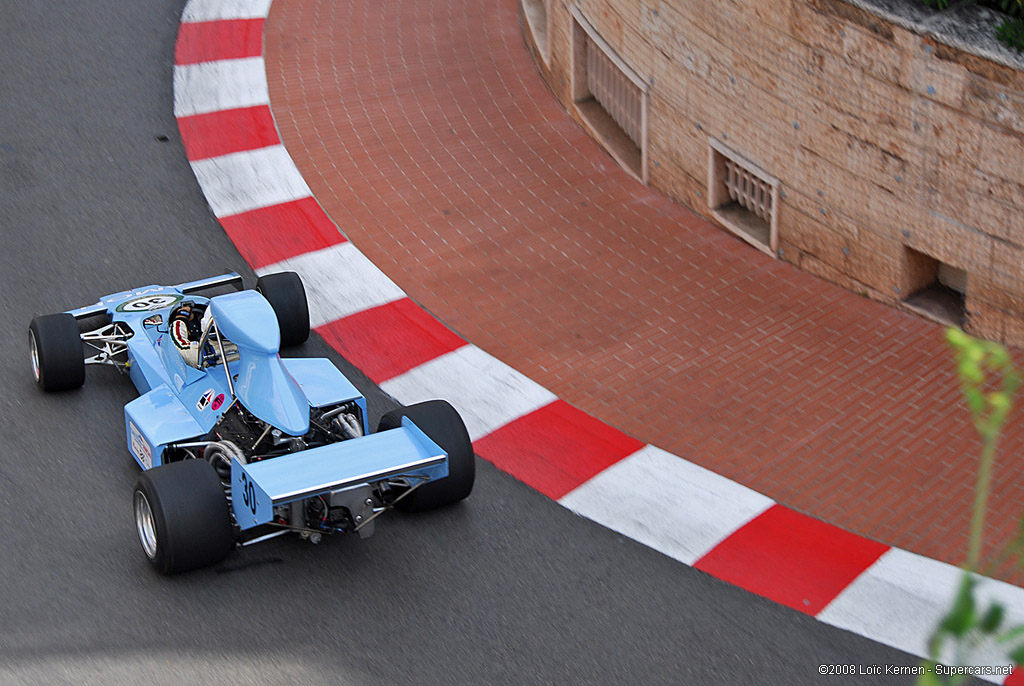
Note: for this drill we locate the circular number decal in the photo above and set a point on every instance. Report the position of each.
(148, 303)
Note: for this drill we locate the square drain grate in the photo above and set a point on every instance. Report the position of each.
(743, 198)
(610, 97)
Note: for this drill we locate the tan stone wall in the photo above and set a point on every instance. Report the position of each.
(881, 138)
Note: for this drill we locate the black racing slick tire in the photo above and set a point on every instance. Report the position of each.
(55, 343)
(442, 423)
(286, 294)
(181, 516)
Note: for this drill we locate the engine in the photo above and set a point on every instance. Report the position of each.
(257, 440)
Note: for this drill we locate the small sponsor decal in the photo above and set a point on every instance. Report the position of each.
(140, 446)
(155, 320)
(204, 400)
(149, 302)
(217, 402)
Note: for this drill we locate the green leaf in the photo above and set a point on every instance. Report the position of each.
(928, 677)
(975, 401)
(1011, 634)
(1017, 655)
(956, 337)
(992, 618)
(970, 371)
(961, 618)
(999, 356)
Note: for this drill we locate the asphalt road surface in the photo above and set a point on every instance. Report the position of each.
(507, 588)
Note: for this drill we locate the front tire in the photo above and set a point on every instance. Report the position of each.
(181, 516)
(442, 423)
(286, 294)
(55, 345)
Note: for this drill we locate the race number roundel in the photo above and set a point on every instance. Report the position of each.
(148, 303)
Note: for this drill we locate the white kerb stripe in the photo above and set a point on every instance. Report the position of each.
(667, 503)
(900, 599)
(249, 180)
(221, 85)
(340, 281)
(213, 10)
(487, 393)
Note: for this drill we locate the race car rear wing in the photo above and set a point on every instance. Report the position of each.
(402, 452)
(229, 279)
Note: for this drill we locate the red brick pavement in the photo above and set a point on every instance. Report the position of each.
(425, 131)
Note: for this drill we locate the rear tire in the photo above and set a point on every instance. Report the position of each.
(286, 294)
(55, 343)
(181, 516)
(442, 423)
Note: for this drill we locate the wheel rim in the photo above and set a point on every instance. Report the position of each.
(145, 525)
(34, 348)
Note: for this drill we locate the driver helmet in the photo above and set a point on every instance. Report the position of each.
(190, 315)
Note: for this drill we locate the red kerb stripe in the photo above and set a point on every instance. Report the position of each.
(793, 559)
(556, 448)
(227, 131)
(391, 339)
(209, 41)
(275, 233)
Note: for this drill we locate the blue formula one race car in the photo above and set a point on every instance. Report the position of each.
(238, 445)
